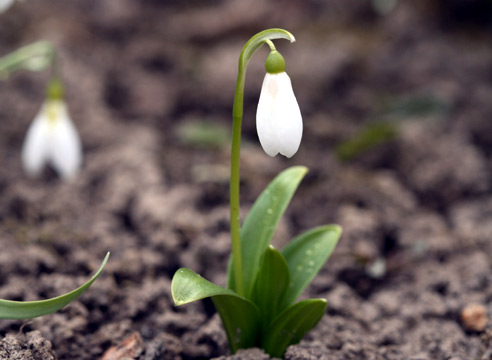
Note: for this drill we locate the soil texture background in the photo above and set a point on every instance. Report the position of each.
(411, 277)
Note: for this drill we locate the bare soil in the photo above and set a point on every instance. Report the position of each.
(416, 211)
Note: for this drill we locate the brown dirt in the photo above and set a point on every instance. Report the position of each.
(419, 205)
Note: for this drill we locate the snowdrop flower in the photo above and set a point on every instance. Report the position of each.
(5, 4)
(52, 138)
(278, 117)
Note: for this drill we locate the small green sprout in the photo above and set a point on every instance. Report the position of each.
(203, 134)
(368, 138)
(52, 137)
(385, 124)
(31, 309)
(258, 308)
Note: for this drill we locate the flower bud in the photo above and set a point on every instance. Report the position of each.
(55, 90)
(275, 63)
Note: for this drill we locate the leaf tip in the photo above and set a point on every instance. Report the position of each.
(304, 169)
(334, 228)
(103, 264)
(337, 228)
(299, 169)
(178, 275)
(178, 302)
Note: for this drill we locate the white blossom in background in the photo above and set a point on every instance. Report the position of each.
(52, 139)
(5, 4)
(278, 117)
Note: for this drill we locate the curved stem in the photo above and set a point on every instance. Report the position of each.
(271, 45)
(237, 115)
(34, 57)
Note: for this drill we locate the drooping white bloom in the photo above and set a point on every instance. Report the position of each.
(52, 138)
(5, 4)
(278, 117)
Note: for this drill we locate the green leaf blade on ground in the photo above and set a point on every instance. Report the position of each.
(261, 222)
(369, 137)
(271, 283)
(290, 326)
(305, 256)
(31, 309)
(240, 317)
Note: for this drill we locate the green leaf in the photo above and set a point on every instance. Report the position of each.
(31, 309)
(369, 137)
(290, 326)
(305, 256)
(414, 106)
(271, 283)
(203, 134)
(261, 222)
(239, 316)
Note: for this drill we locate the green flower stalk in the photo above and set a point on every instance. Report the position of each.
(277, 65)
(35, 57)
(258, 306)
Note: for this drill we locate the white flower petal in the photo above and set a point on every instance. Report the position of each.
(278, 117)
(52, 138)
(65, 150)
(5, 4)
(288, 117)
(265, 125)
(36, 145)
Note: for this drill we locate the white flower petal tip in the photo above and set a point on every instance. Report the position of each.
(52, 139)
(5, 4)
(278, 117)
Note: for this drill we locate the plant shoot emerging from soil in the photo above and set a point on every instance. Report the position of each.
(52, 137)
(258, 306)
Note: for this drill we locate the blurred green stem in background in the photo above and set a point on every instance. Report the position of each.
(385, 123)
(34, 57)
(369, 137)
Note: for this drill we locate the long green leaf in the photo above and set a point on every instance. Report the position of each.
(261, 222)
(290, 326)
(240, 317)
(31, 309)
(270, 286)
(305, 256)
